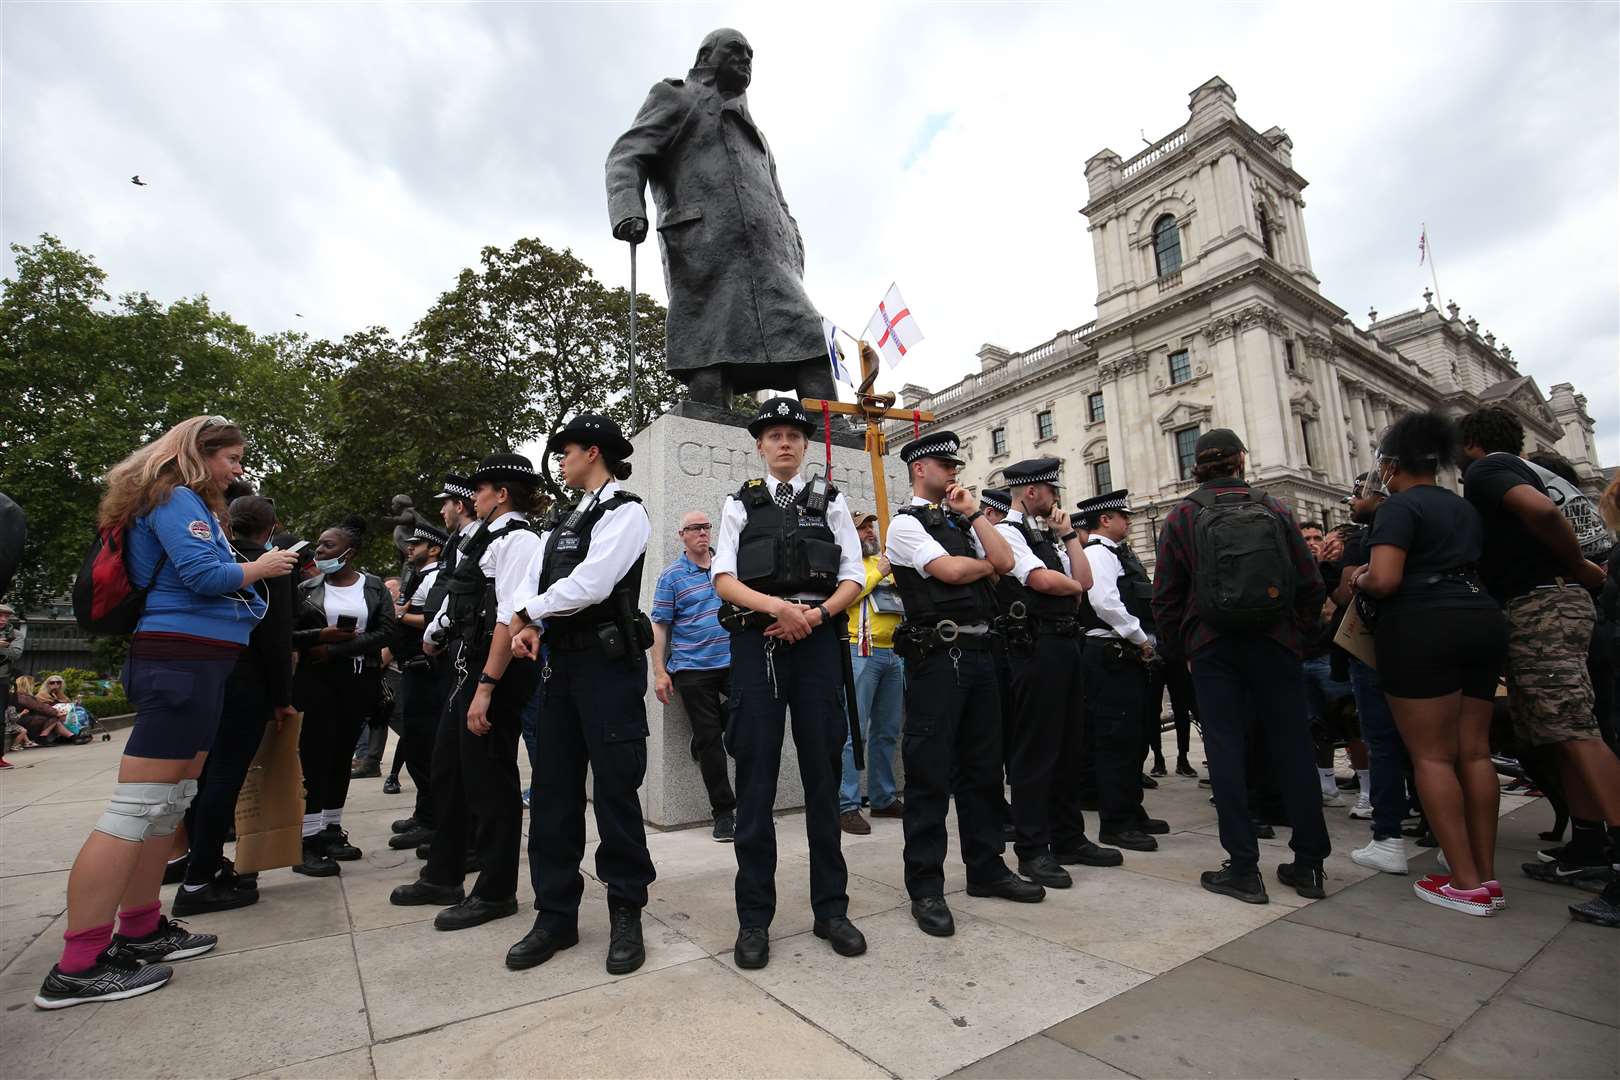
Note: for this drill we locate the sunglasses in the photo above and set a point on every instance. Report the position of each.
(705, 527)
(216, 421)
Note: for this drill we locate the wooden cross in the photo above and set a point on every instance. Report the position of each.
(875, 408)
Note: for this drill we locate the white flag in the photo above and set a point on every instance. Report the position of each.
(892, 328)
(840, 372)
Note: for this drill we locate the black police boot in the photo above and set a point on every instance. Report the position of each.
(474, 911)
(404, 824)
(406, 840)
(1089, 854)
(933, 916)
(1246, 887)
(753, 947)
(421, 893)
(1132, 839)
(1012, 887)
(1305, 880)
(625, 949)
(1152, 826)
(841, 934)
(1044, 870)
(317, 863)
(1148, 782)
(538, 946)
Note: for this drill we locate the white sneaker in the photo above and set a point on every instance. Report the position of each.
(1388, 856)
(1363, 808)
(1332, 798)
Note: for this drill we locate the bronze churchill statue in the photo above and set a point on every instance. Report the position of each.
(739, 318)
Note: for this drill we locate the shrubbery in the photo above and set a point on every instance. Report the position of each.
(110, 705)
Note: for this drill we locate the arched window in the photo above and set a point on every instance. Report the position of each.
(1265, 229)
(1166, 245)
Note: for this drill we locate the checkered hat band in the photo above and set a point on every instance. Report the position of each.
(457, 489)
(1106, 504)
(996, 501)
(928, 449)
(1050, 476)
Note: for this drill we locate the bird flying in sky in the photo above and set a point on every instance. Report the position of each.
(137, 181)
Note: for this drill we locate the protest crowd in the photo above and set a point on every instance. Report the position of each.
(1003, 649)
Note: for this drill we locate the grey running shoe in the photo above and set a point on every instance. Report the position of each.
(1604, 910)
(170, 941)
(114, 976)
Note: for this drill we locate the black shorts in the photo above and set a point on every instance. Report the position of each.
(1426, 652)
(178, 694)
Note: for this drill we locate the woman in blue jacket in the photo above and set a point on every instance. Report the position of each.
(344, 620)
(169, 497)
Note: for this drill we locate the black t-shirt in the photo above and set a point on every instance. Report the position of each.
(1514, 561)
(1440, 534)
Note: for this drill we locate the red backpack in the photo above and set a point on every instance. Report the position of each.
(106, 599)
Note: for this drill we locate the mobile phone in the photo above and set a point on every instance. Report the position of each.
(347, 622)
(298, 548)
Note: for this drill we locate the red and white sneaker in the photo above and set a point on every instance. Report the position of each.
(1494, 887)
(1470, 902)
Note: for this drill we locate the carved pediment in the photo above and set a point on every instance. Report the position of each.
(1184, 414)
(1095, 450)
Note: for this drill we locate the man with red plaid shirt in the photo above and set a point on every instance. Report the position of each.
(1243, 677)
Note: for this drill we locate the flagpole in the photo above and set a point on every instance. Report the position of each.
(1428, 251)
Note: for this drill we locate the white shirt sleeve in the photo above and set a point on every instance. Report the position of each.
(732, 519)
(419, 597)
(507, 561)
(851, 566)
(618, 539)
(1104, 594)
(910, 545)
(1024, 560)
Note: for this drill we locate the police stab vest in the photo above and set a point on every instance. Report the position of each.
(472, 592)
(1036, 604)
(1135, 590)
(927, 600)
(441, 584)
(407, 641)
(788, 552)
(566, 547)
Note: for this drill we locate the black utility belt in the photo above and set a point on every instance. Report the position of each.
(736, 619)
(1063, 628)
(915, 642)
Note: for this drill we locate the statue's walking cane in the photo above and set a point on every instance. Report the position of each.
(635, 408)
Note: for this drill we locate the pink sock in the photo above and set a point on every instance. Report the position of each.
(82, 948)
(140, 921)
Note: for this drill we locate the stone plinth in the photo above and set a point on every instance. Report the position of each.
(685, 463)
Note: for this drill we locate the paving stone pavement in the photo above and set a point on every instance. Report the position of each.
(1134, 972)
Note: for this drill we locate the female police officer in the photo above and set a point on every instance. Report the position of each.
(588, 573)
(786, 561)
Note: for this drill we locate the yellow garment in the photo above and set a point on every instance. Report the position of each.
(874, 627)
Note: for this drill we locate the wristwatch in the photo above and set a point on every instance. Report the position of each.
(826, 617)
(486, 679)
(975, 516)
(1070, 535)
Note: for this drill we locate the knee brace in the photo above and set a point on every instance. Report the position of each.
(139, 811)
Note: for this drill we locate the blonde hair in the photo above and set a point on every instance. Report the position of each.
(24, 684)
(1609, 503)
(178, 458)
(61, 693)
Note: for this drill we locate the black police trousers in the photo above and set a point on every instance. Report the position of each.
(476, 792)
(594, 714)
(422, 692)
(952, 747)
(768, 679)
(1116, 695)
(1047, 732)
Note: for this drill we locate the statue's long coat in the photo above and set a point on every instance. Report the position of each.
(733, 259)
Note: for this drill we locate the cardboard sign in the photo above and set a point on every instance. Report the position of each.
(270, 809)
(1356, 638)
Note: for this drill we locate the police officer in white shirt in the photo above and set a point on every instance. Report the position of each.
(1049, 576)
(1117, 613)
(475, 770)
(587, 582)
(786, 565)
(944, 553)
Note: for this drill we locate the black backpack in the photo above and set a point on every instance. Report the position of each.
(1245, 578)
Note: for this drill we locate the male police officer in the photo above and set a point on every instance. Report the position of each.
(420, 699)
(944, 553)
(997, 504)
(787, 560)
(1117, 613)
(1042, 593)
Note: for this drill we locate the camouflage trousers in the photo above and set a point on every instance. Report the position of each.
(1549, 633)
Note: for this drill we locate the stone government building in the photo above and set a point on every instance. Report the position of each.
(1209, 315)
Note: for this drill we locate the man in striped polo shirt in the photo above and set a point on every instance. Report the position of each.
(699, 660)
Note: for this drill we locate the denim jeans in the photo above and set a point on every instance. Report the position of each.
(880, 687)
(1387, 763)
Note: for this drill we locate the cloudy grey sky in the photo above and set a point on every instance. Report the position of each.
(346, 160)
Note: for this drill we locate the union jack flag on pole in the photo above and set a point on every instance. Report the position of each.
(892, 328)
